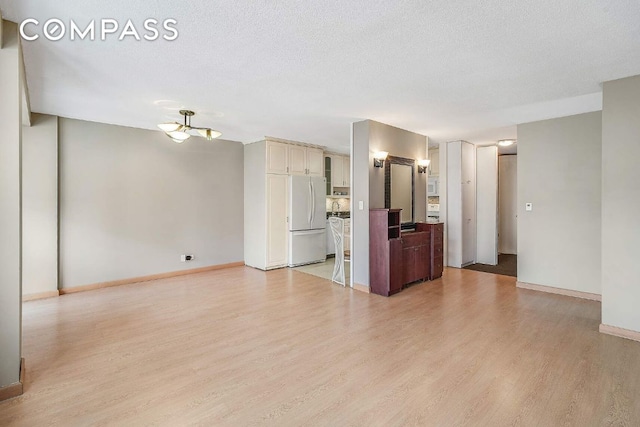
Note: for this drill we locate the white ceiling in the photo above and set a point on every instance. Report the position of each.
(305, 70)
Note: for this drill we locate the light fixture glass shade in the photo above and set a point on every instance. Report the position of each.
(170, 127)
(209, 133)
(178, 141)
(506, 142)
(380, 155)
(179, 135)
(423, 165)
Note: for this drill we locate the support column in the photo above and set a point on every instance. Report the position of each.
(10, 222)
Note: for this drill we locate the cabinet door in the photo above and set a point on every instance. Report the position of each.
(346, 171)
(277, 157)
(277, 230)
(315, 162)
(336, 171)
(423, 262)
(297, 160)
(409, 264)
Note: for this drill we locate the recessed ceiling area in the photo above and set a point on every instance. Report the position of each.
(306, 70)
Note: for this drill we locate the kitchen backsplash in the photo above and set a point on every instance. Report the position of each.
(434, 200)
(341, 205)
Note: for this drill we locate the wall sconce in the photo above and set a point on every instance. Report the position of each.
(378, 159)
(423, 165)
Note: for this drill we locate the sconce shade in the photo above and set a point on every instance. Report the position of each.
(423, 165)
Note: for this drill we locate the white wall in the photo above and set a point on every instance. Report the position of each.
(10, 242)
(508, 204)
(621, 204)
(487, 205)
(361, 157)
(40, 205)
(559, 171)
(132, 201)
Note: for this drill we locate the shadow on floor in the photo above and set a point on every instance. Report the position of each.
(507, 266)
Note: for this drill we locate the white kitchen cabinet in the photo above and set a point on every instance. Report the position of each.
(461, 204)
(277, 229)
(315, 161)
(305, 160)
(434, 165)
(267, 167)
(277, 157)
(339, 171)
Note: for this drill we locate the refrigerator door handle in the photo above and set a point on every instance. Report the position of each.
(309, 204)
(313, 203)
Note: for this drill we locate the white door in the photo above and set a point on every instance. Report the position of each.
(277, 229)
(318, 202)
(315, 162)
(277, 154)
(487, 205)
(508, 204)
(301, 203)
(297, 160)
(468, 203)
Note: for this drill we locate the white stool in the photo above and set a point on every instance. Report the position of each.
(337, 230)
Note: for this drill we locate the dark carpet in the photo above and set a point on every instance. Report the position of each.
(507, 266)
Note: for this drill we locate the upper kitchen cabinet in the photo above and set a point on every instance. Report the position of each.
(434, 165)
(338, 173)
(305, 160)
(277, 158)
(293, 159)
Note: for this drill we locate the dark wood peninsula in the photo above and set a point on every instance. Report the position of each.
(397, 259)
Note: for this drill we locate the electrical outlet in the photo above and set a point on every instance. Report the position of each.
(528, 207)
(185, 257)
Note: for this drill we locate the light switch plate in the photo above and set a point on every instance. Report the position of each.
(528, 207)
(360, 204)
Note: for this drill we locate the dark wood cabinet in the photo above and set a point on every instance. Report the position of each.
(437, 234)
(397, 259)
(385, 252)
(416, 256)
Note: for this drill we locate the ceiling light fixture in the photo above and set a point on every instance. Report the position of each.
(506, 142)
(179, 133)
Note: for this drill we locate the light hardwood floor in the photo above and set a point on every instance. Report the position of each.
(242, 347)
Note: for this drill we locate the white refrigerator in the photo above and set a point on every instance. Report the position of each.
(307, 220)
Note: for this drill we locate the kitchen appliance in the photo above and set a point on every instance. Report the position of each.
(307, 218)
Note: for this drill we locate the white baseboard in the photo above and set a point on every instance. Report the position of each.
(620, 332)
(362, 288)
(559, 291)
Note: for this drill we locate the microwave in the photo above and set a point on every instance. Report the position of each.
(433, 186)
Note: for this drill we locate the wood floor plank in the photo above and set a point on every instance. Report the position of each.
(246, 347)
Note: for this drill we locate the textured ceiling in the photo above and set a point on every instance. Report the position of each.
(305, 70)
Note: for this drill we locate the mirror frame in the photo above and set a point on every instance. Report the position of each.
(387, 183)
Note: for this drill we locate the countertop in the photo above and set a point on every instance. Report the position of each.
(344, 215)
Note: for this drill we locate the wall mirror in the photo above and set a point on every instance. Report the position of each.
(399, 187)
